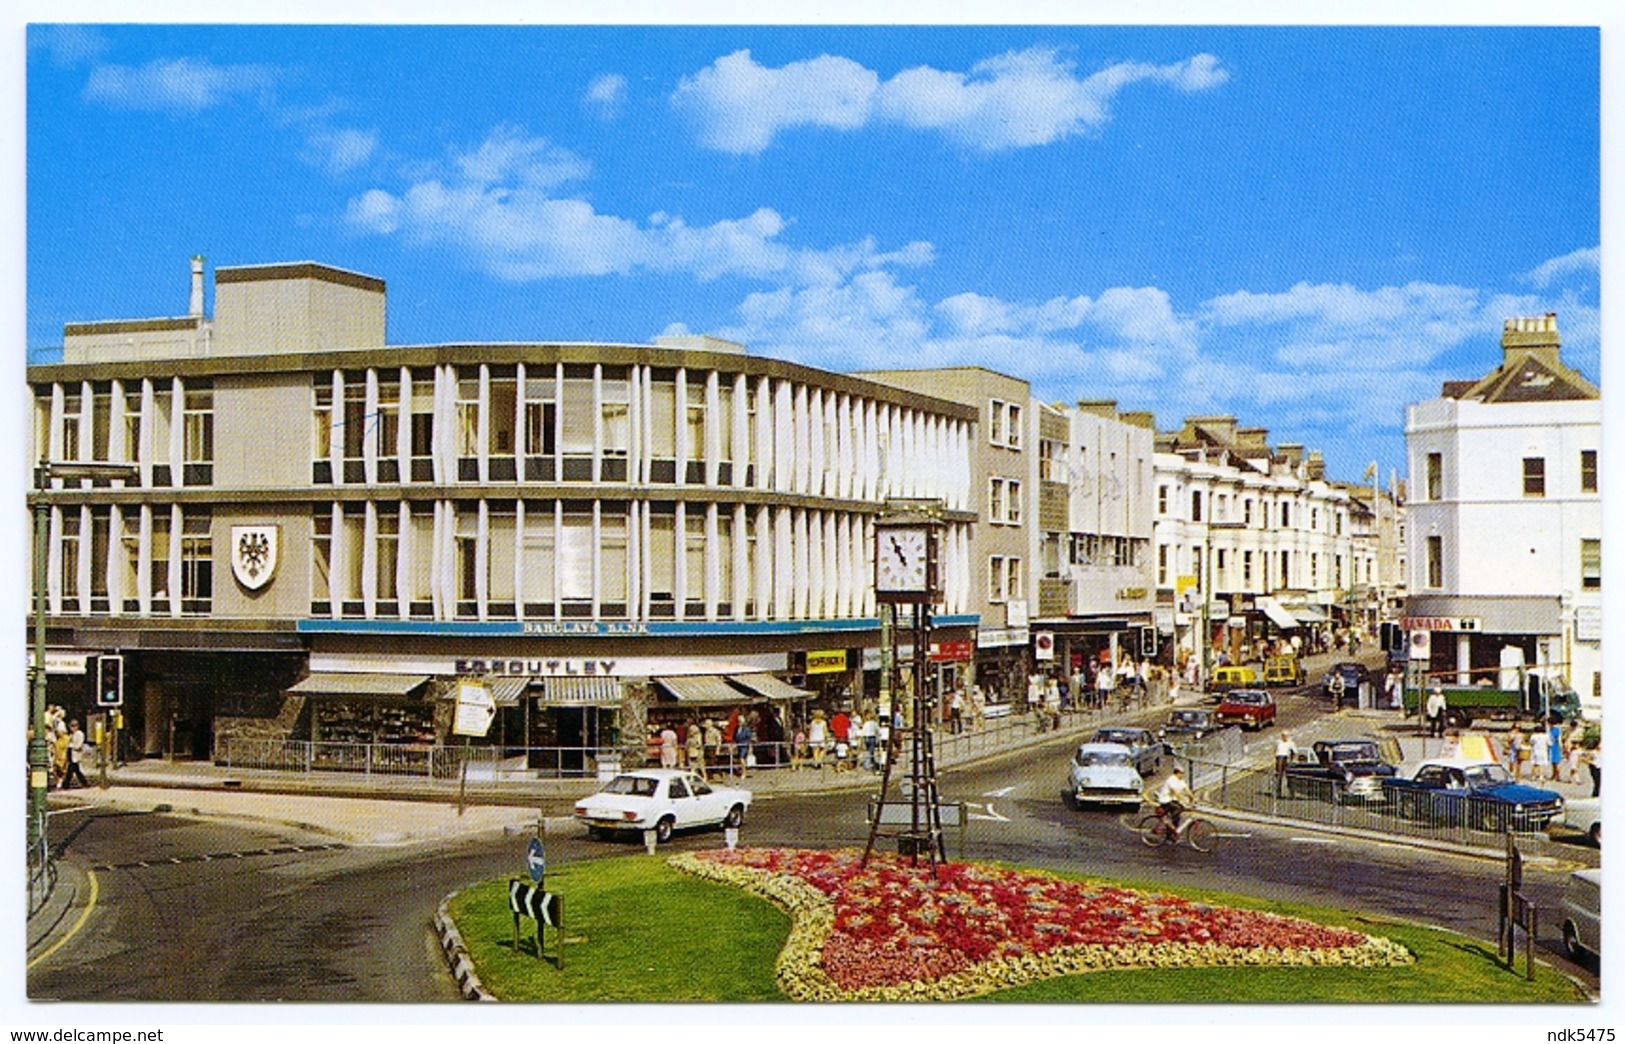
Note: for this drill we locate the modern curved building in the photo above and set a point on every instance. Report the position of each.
(329, 531)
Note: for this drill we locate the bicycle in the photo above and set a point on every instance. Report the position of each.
(1154, 829)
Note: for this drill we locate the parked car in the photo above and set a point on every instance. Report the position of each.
(1582, 914)
(1249, 708)
(1340, 770)
(1351, 674)
(1481, 795)
(1103, 774)
(662, 800)
(1143, 746)
(1283, 670)
(1187, 725)
(1225, 679)
(1584, 816)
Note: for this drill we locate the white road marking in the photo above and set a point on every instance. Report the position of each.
(1314, 840)
(991, 814)
(1001, 792)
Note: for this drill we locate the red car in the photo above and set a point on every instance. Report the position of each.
(1249, 708)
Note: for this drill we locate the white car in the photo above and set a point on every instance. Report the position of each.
(1584, 815)
(661, 800)
(1103, 774)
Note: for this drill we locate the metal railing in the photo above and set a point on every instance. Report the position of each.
(419, 761)
(1249, 788)
(41, 874)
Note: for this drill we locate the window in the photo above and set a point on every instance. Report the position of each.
(1314, 570)
(101, 421)
(1247, 512)
(1435, 476)
(1013, 578)
(1162, 565)
(1013, 428)
(389, 543)
(538, 561)
(321, 433)
(1247, 569)
(198, 434)
(1286, 569)
(386, 423)
(1003, 578)
(1591, 564)
(612, 586)
(468, 414)
(1435, 546)
(1588, 471)
(1286, 514)
(197, 563)
(132, 423)
(501, 537)
(1534, 476)
(356, 423)
(1196, 505)
(422, 425)
(541, 418)
(158, 571)
(1049, 452)
(70, 559)
(503, 408)
(579, 414)
(321, 559)
(1049, 552)
(1012, 504)
(694, 561)
(1162, 500)
(72, 418)
(1004, 424)
(995, 422)
(466, 558)
(995, 501)
(1004, 501)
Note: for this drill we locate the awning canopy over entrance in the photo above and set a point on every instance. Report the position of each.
(1307, 614)
(361, 684)
(577, 692)
(505, 692)
(771, 687)
(703, 689)
(1276, 612)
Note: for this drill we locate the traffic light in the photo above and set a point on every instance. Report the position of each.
(110, 681)
(1393, 637)
(1148, 642)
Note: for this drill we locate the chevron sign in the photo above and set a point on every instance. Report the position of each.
(531, 900)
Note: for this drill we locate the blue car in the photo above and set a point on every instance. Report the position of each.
(1481, 795)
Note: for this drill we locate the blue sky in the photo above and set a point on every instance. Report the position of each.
(1305, 227)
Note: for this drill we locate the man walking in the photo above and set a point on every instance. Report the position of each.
(1435, 711)
(76, 753)
(1283, 755)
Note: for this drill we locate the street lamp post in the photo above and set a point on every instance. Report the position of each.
(39, 757)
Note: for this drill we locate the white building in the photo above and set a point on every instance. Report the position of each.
(1261, 531)
(1506, 519)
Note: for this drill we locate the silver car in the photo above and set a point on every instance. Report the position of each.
(1143, 744)
(1103, 774)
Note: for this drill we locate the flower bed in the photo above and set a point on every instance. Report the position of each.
(889, 932)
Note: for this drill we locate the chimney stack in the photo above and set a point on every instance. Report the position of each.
(195, 308)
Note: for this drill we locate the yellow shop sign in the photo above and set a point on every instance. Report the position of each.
(826, 661)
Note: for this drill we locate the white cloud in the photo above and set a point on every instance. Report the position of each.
(1586, 261)
(174, 84)
(1015, 100)
(499, 202)
(340, 151)
(740, 105)
(606, 95)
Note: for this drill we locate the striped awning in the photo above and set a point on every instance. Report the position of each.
(505, 692)
(324, 683)
(1307, 614)
(1277, 613)
(577, 692)
(771, 687)
(703, 689)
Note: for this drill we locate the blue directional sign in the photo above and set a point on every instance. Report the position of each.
(535, 859)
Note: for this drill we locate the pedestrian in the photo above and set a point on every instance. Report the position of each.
(76, 753)
(694, 744)
(713, 741)
(668, 747)
(1336, 688)
(1435, 711)
(59, 748)
(871, 736)
(1574, 743)
(1283, 757)
(1554, 742)
(743, 737)
(1517, 751)
(1594, 763)
(1540, 760)
(1105, 683)
(818, 738)
(956, 712)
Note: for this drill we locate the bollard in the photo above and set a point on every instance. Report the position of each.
(730, 837)
(649, 841)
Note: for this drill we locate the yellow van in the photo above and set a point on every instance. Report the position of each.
(1226, 678)
(1282, 670)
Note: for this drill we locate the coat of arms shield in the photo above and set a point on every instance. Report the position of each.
(253, 555)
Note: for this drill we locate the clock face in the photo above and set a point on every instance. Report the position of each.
(900, 560)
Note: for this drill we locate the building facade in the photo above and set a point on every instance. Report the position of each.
(602, 534)
(1505, 518)
(1252, 543)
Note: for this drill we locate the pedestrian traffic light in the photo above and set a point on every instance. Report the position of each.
(1148, 642)
(1393, 637)
(110, 681)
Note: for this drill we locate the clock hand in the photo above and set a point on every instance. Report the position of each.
(899, 549)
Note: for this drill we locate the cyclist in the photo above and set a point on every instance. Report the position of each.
(1174, 797)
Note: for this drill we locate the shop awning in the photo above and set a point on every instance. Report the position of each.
(361, 684)
(1307, 614)
(771, 687)
(505, 692)
(1276, 612)
(708, 689)
(579, 692)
